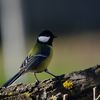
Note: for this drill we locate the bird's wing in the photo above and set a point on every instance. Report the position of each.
(33, 60)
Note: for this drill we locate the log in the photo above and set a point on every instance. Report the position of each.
(73, 86)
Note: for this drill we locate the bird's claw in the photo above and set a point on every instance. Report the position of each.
(37, 82)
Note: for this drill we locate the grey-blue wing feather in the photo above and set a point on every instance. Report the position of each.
(36, 59)
(33, 61)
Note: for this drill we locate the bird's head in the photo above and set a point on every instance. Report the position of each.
(46, 37)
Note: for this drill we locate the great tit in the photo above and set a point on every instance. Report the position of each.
(38, 57)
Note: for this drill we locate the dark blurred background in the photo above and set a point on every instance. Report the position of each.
(76, 22)
(61, 16)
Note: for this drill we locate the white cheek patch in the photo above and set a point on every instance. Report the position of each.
(43, 38)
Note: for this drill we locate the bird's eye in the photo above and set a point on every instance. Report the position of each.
(44, 38)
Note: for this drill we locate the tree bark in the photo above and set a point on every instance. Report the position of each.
(74, 86)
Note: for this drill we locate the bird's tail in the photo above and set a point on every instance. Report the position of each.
(10, 81)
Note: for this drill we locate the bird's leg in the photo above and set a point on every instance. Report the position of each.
(37, 81)
(46, 70)
(56, 77)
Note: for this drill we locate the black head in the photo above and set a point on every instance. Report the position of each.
(46, 37)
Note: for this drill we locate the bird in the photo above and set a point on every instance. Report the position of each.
(38, 57)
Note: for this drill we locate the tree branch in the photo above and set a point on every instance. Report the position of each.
(74, 86)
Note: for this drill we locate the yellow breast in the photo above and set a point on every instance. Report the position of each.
(45, 63)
